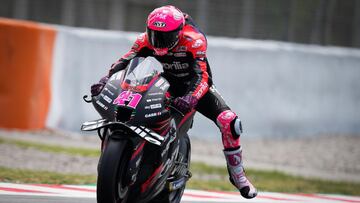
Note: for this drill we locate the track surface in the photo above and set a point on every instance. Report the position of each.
(31, 193)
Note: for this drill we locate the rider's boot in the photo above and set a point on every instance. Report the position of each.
(231, 129)
(237, 173)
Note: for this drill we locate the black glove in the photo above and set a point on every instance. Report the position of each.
(96, 88)
(186, 103)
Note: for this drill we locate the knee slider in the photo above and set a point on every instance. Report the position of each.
(236, 127)
(228, 121)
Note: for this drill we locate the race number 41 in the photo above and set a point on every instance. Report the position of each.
(127, 98)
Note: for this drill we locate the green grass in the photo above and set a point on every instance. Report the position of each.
(264, 180)
(30, 176)
(52, 148)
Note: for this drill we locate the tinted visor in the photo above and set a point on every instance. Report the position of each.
(160, 39)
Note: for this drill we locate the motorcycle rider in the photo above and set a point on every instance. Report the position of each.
(173, 38)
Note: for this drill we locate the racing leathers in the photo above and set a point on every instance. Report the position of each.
(188, 71)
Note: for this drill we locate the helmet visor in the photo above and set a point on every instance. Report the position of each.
(161, 39)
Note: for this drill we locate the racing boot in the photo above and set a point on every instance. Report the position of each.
(237, 173)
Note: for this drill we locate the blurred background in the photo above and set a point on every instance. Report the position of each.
(288, 67)
(324, 22)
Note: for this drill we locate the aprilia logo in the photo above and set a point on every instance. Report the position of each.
(176, 66)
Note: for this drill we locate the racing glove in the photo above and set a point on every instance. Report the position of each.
(96, 88)
(186, 103)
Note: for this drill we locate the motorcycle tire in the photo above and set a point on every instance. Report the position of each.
(111, 182)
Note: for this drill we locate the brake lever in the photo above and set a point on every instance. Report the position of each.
(85, 98)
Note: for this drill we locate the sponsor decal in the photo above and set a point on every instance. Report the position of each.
(150, 115)
(177, 184)
(159, 82)
(197, 43)
(153, 100)
(156, 94)
(109, 91)
(107, 99)
(203, 87)
(153, 106)
(177, 15)
(176, 65)
(182, 48)
(200, 53)
(180, 54)
(135, 46)
(160, 52)
(102, 105)
(141, 37)
(111, 85)
(159, 24)
(164, 86)
(161, 15)
(214, 90)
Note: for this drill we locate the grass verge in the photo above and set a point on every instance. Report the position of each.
(264, 180)
(52, 148)
(273, 181)
(205, 177)
(45, 177)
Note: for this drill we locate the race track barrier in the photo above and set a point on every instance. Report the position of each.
(26, 53)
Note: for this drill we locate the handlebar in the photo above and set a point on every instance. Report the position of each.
(169, 102)
(177, 110)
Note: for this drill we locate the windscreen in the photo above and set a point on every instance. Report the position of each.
(140, 72)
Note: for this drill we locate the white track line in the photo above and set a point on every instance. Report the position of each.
(83, 191)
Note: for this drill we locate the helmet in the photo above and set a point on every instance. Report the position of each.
(164, 26)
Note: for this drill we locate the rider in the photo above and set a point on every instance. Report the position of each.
(173, 39)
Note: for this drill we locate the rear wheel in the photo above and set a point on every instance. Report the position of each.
(112, 181)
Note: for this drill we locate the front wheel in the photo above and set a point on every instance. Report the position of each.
(112, 181)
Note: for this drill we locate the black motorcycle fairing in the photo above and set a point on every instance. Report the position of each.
(103, 103)
(152, 106)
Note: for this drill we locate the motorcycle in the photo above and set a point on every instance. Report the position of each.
(145, 152)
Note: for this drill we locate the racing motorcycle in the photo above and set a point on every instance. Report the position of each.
(145, 152)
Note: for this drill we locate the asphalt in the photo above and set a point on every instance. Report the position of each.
(40, 199)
